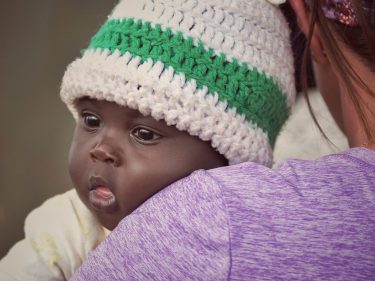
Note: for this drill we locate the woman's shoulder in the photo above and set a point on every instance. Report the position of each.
(341, 179)
(333, 177)
(356, 164)
(302, 213)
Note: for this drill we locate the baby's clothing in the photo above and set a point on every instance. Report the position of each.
(58, 236)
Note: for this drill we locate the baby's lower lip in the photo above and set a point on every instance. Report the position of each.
(102, 199)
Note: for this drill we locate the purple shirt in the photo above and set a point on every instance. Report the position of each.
(306, 220)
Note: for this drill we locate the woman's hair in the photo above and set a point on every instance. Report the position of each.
(359, 37)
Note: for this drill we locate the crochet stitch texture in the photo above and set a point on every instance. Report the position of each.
(220, 70)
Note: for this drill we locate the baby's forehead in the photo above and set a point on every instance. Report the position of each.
(104, 104)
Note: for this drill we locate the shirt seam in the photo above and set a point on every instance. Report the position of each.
(227, 219)
(362, 163)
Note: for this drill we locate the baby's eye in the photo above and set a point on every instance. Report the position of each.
(145, 135)
(90, 120)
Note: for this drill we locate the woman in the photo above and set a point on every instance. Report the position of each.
(305, 220)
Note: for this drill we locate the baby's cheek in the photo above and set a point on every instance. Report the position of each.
(136, 187)
(73, 172)
(76, 164)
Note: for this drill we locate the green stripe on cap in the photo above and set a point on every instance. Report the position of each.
(251, 92)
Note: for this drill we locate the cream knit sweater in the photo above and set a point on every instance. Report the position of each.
(58, 236)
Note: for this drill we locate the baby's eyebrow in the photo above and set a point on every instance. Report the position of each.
(142, 118)
(151, 121)
(133, 113)
(84, 100)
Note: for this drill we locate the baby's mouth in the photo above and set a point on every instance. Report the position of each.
(101, 196)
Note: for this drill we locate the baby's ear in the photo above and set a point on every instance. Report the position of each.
(303, 19)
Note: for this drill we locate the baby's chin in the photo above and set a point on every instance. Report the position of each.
(109, 221)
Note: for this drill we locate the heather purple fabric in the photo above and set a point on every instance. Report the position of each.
(306, 220)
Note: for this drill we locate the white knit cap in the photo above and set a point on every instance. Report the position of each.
(221, 70)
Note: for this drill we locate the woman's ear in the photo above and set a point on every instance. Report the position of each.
(303, 15)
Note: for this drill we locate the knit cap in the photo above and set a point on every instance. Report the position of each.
(222, 70)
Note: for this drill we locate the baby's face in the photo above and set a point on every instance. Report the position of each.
(119, 158)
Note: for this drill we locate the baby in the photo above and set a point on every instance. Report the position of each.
(119, 158)
(163, 89)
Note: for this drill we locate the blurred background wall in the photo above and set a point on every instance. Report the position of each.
(37, 40)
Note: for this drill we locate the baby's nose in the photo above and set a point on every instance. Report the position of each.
(106, 154)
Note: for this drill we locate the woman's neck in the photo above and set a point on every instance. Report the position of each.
(353, 124)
